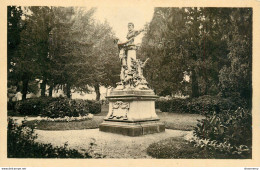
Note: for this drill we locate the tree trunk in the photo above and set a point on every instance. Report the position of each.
(25, 88)
(43, 87)
(50, 90)
(207, 87)
(194, 85)
(97, 92)
(68, 91)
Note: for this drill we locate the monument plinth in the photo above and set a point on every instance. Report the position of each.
(132, 102)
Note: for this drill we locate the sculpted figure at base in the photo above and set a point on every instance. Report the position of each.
(131, 75)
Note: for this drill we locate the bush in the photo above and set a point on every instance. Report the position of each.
(56, 107)
(224, 148)
(33, 106)
(11, 105)
(201, 105)
(232, 127)
(63, 107)
(229, 131)
(21, 144)
(174, 148)
(66, 107)
(178, 148)
(94, 107)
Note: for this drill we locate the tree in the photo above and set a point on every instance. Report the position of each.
(82, 51)
(164, 44)
(61, 49)
(191, 41)
(15, 26)
(25, 63)
(105, 65)
(236, 78)
(31, 61)
(42, 22)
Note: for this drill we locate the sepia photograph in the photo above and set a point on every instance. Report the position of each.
(129, 82)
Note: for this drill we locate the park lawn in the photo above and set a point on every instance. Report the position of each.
(178, 148)
(74, 125)
(175, 121)
(179, 121)
(104, 110)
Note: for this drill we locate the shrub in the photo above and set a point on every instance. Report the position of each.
(174, 105)
(65, 107)
(94, 107)
(21, 144)
(33, 106)
(11, 105)
(201, 105)
(178, 148)
(241, 151)
(231, 129)
(56, 107)
(174, 148)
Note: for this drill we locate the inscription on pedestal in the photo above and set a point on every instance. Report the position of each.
(120, 110)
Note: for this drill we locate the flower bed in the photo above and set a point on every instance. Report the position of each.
(68, 119)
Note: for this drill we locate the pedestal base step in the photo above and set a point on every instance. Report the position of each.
(132, 129)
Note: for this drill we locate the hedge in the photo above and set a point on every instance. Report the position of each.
(201, 105)
(55, 107)
(33, 106)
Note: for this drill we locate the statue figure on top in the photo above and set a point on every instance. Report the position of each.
(131, 75)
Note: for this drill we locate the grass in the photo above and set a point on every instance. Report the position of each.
(104, 111)
(179, 121)
(74, 125)
(178, 148)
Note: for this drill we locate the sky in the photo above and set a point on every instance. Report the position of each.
(119, 17)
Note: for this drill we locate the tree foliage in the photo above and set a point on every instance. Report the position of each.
(192, 51)
(62, 47)
(15, 25)
(203, 44)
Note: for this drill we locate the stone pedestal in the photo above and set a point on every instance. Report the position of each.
(132, 113)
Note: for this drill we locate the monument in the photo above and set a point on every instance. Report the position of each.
(132, 102)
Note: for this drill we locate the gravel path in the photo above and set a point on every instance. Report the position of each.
(109, 144)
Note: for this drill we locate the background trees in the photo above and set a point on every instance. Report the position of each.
(15, 25)
(61, 47)
(192, 51)
(209, 45)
